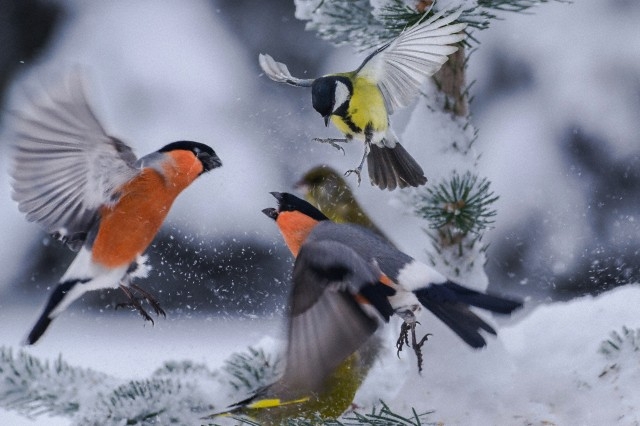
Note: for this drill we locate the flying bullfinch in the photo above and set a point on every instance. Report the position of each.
(412, 284)
(326, 327)
(359, 102)
(88, 190)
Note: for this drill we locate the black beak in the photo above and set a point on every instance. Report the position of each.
(271, 212)
(326, 120)
(277, 195)
(209, 161)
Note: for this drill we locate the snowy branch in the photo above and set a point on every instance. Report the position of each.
(365, 24)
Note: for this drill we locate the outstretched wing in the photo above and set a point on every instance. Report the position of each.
(402, 66)
(277, 71)
(65, 165)
(327, 324)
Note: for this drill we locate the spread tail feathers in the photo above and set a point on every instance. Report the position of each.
(45, 319)
(393, 167)
(450, 303)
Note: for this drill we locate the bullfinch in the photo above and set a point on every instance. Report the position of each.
(88, 190)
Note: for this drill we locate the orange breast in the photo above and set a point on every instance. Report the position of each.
(295, 228)
(127, 228)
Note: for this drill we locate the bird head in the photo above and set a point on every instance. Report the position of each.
(329, 94)
(289, 203)
(204, 153)
(323, 187)
(295, 219)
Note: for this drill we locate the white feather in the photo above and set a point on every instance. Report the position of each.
(416, 275)
(403, 66)
(341, 95)
(65, 165)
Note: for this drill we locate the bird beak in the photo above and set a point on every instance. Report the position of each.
(271, 212)
(301, 186)
(277, 195)
(326, 120)
(209, 162)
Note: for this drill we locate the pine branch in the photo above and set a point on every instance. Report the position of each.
(379, 416)
(363, 26)
(459, 210)
(619, 343)
(33, 387)
(253, 370)
(460, 205)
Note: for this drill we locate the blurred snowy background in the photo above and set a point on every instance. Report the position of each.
(556, 101)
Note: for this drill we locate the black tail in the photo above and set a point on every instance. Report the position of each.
(450, 303)
(45, 319)
(393, 167)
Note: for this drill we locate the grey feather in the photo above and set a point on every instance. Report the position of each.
(277, 71)
(65, 165)
(368, 245)
(402, 66)
(327, 324)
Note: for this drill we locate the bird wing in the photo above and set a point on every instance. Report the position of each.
(277, 71)
(65, 165)
(403, 65)
(326, 324)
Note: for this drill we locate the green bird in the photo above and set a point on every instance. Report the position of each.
(359, 102)
(325, 188)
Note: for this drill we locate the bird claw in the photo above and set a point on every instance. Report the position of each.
(358, 172)
(134, 302)
(333, 142)
(416, 345)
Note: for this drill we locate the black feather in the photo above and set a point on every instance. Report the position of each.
(393, 167)
(450, 303)
(45, 319)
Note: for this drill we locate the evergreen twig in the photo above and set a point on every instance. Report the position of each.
(463, 204)
(357, 23)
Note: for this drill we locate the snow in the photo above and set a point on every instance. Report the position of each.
(150, 69)
(545, 365)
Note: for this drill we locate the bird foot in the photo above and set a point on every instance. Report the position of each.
(357, 171)
(416, 345)
(134, 302)
(333, 142)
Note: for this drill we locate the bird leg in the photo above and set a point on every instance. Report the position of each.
(358, 170)
(333, 142)
(416, 345)
(134, 301)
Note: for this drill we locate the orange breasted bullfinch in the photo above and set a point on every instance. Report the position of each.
(409, 284)
(326, 326)
(359, 102)
(88, 190)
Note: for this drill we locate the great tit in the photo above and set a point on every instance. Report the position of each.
(88, 190)
(359, 102)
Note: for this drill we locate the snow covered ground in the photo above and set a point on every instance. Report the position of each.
(546, 366)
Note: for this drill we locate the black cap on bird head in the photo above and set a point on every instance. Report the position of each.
(204, 153)
(290, 203)
(329, 94)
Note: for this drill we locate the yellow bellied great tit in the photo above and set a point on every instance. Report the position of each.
(359, 102)
(88, 190)
(413, 284)
(325, 188)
